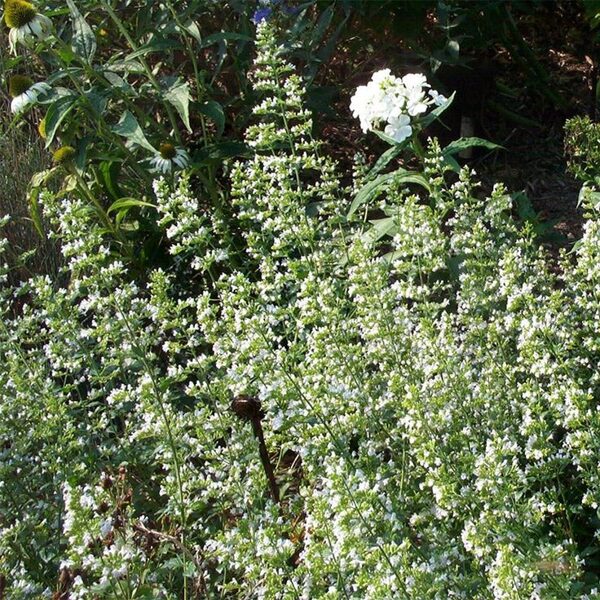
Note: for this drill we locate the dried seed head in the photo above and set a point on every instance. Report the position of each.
(247, 408)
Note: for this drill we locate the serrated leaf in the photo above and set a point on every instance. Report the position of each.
(214, 111)
(129, 128)
(84, 40)
(179, 96)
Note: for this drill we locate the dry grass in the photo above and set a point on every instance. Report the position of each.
(22, 154)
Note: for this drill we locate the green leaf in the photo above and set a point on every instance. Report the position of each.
(371, 189)
(217, 153)
(381, 227)
(107, 174)
(97, 100)
(387, 157)
(127, 203)
(469, 142)
(35, 185)
(179, 96)
(129, 128)
(387, 138)
(192, 28)
(84, 40)
(55, 115)
(214, 111)
(158, 45)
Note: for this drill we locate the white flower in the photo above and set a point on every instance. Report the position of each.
(29, 97)
(438, 99)
(391, 101)
(169, 158)
(416, 102)
(25, 23)
(414, 81)
(399, 128)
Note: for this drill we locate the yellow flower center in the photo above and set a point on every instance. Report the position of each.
(18, 84)
(167, 151)
(17, 13)
(63, 155)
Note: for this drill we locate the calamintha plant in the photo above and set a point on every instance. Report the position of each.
(307, 400)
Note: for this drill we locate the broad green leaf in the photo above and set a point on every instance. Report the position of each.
(129, 128)
(469, 142)
(214, 111)
(192, 28)
(127, 203)
(381, 227)
(179, 96)
(84, 40)
(55, 115)
(97, 99)
(371, 189)
(389, 155)
(217, 153)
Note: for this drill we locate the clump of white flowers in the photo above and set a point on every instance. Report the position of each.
(427, 400)
(393, 102)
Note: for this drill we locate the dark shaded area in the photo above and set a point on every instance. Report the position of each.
(536, 69)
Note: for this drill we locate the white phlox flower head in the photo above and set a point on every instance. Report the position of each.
(170, 158)
(392, 102)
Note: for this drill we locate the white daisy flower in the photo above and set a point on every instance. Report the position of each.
(25, 23)
(25, 93)
(170, 158)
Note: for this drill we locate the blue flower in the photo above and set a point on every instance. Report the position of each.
(262, 14)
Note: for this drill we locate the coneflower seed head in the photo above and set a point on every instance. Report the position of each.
(18, 84)
(17, 13)
(63, 155)
(167, 151)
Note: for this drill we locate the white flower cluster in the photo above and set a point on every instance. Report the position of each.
(428, 398)
(394, 102)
